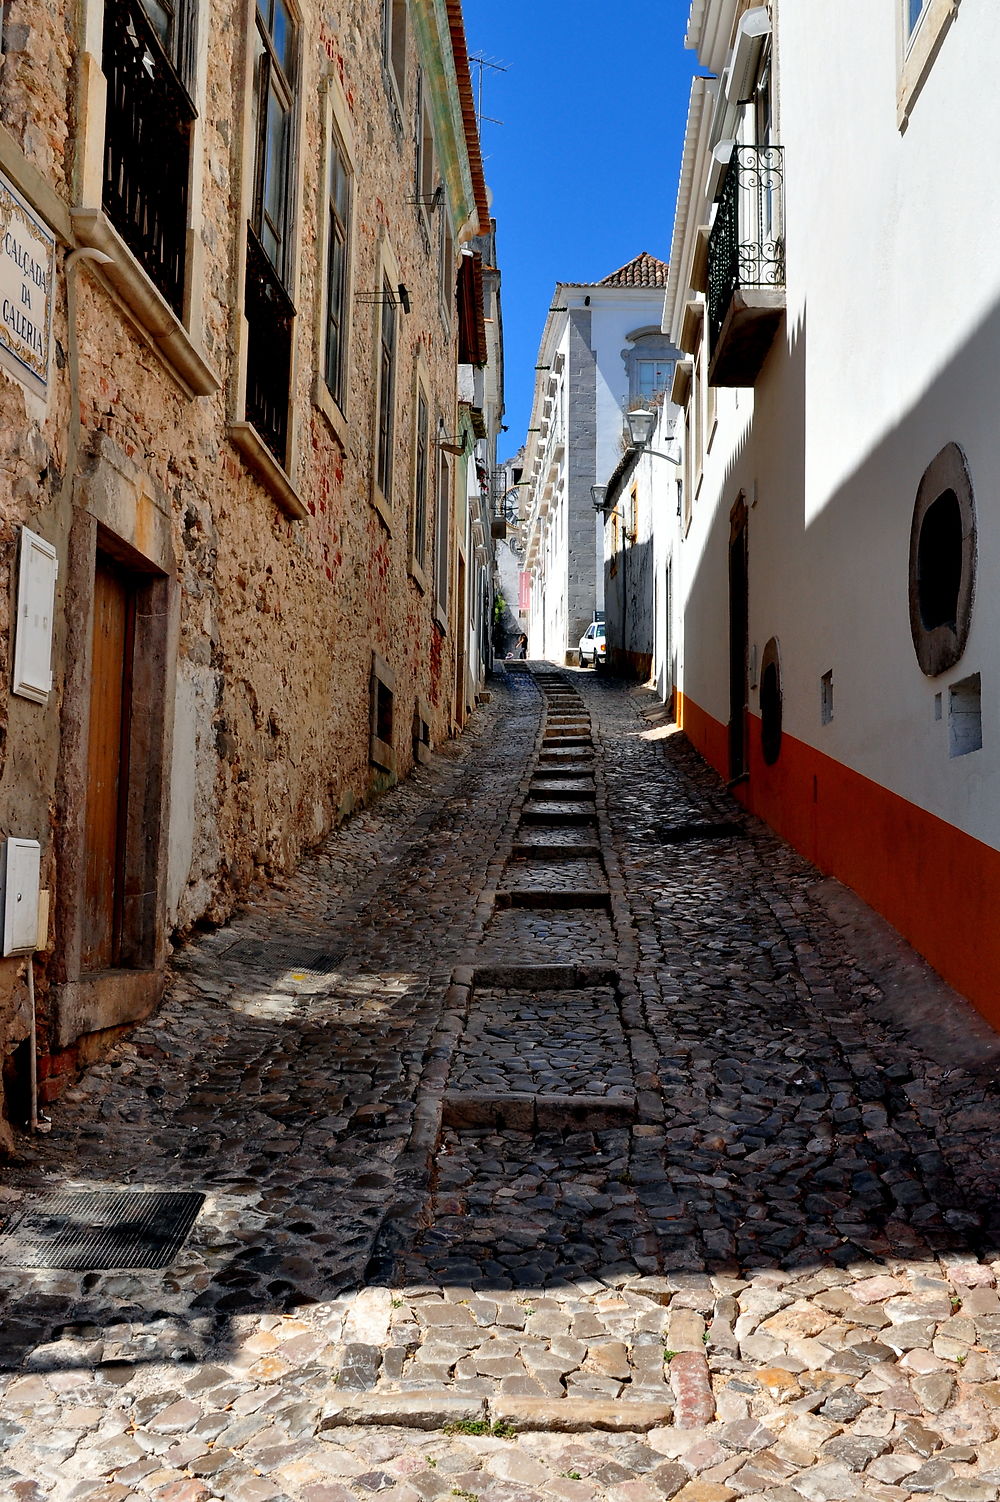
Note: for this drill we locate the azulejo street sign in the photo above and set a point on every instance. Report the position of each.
(27, 276)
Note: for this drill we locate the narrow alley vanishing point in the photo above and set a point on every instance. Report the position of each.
(554, 1143)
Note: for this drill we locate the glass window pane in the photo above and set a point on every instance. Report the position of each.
(162, 19)
(282, 35)
(275, 155)
(916, 7)
(335, 310)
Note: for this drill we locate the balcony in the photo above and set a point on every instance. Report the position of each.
(147, 148)
(270, 314)
(746, 265)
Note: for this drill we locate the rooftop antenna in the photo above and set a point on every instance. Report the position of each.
(482, 63)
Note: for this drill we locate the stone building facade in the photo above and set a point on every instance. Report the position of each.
(232, 432)
(601, 348)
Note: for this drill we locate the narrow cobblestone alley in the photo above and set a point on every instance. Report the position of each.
(559, 1138)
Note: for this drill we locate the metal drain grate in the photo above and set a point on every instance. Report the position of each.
(101, 1230)
(280, 955)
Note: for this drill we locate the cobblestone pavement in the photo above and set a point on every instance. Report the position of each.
(557, 1141)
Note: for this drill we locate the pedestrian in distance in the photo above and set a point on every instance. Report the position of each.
(522, 646)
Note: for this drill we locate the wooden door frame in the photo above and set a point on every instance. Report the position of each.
(84, 1002)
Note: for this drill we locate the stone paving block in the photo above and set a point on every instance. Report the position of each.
(577, 1415)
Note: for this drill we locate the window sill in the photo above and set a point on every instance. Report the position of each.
(441, 620)
(381, 754)
(381, 505)
(169, 337)
(265, 467)
(418, 576)
(324, 400)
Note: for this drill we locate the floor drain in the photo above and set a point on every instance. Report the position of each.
(101, 1230)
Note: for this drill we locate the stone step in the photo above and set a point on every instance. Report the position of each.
(539, 850)
(522, 1111)
(556, 813)
(549, 897)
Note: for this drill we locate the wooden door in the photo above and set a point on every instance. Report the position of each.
(739, 641)
(107, 766)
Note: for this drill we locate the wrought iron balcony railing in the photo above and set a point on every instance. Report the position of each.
(270, 314)
(746, 248)
(147, 148)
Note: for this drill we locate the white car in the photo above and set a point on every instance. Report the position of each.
(593, 646)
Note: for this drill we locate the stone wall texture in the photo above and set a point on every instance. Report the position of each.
(272, 622)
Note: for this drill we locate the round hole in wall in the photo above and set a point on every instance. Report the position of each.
(942, 576)
(770, 703)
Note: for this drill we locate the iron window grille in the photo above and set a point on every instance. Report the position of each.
(147, 139)
(270, 315)
(746, 248)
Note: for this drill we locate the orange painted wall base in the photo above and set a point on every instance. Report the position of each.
(937, 885)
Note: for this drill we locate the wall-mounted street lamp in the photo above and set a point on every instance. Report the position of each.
(597, 495)
(640, 424)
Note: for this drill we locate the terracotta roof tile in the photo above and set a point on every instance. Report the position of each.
(644, 271)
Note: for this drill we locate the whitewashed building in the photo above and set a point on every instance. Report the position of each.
(835, 287)
(602, 345)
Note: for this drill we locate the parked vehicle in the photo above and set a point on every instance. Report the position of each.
(593, 645)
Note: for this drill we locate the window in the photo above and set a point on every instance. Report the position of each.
(915, 9)
(420, 452)
(446, 269)
(965, 716)
(150, 116)
(383, 685)
(441, 522)
(394, 42)
(942, 562)
(269, 310)
(649, 360)
(826, 698)
(338, 231)
(922, 27)
(386, 388)
(423, 164)
(273, 78)
(172, 22)
(653, 377)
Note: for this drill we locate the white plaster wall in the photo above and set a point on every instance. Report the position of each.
(891, 349)
(617, 312)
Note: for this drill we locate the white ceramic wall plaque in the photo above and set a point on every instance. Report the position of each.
(27, 273)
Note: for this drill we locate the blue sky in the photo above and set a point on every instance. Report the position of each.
(584, 168)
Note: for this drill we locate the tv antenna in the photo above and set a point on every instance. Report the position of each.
(482, 63)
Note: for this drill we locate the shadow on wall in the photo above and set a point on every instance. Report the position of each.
(629, 606)
(842, 612)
